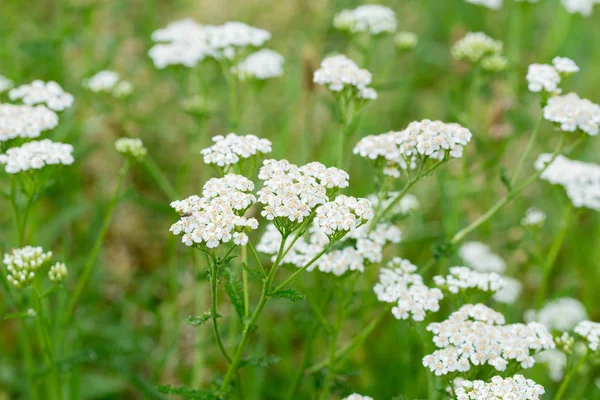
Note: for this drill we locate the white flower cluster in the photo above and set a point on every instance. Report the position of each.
(464, 278)
(581, 180)
(406, 40)
(399, 283)
(217, 216)
(571, 113)
(533, 217)
(362, 246)
(491, 4)
(292, 193)
(373, 19)
(263, 64)
(556, 361)
(583, 7)
(384, 148)
(476, 335)
(510, 291)
(405, 206)
(23, 263)
(475, 46)
(181, 42)
(591, 332)
(58, 272)
(561, 314)
(25, 121)
(343, 214)
(478, 256)
(339, 73)
(545, 77)
(517, 387)
(108, 82)
(5, 84)
(39, 92)
(231, 149)
(356, 396)
(227, 40)
(131, 147)
(36, 155)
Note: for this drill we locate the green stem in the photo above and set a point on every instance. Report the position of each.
(528, 149)
(160, 178)
(214, 286)
(233, 101)
(87, 268)
(553, 253)
(340, 147)
(431, 392)
(333, 342)
(244, 256)
(565, 382)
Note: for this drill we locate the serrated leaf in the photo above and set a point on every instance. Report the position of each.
(262, 361)
(223, 262)
(233, 288)
(197, 320)
(187, 392)
(290, 294)
(254, 272)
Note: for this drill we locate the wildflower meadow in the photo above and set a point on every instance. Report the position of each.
(300, 199)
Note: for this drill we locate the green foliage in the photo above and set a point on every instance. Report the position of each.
(188, 393)
(290, 294)
(197, 320)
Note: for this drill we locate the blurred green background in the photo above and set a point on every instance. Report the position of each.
(128, 336)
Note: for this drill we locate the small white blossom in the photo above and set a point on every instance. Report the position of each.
(36, 155)
(583, 7)
(25, 121)
(556, 361)
(373, 19)
(494, 63)
(464, 278)
(131, 147)
(343, 214)
(58, 272)
(22, 264)
(570, 113)
(183, 42)
(339, 73)
(560, 314)
(356, 396)
(478, 256)
(406, 40)
(233, 149)
(405, 206)
(590, 331)
(227, 41)
(565, 65)
(510, 291)
(5, 84)
(263, 64)
(474, 46)
(39, 92)
(533, 217)
(517, 387)
(103, 81)
(543, 77)
(491, 4)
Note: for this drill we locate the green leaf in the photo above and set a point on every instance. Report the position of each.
(223, 262)
(290, 294)
(233, 288)
(187, 392)
(198, 320)
(262, 361)
(505, 179)
(254, 272)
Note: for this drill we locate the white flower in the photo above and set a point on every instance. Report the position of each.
(581, 180)
(231, 38)
(476, 335)
(132, 147)
(233, 149)
(571, 113)
(39, 92)
(291, 193)
(543, 77)
(218, 215)
(373, 19)
(464, 278)
(491, 4)
(356, 396)
(565, 65)
(25, 121)
(22, 264)
(494, 63)
(478, 256)
(533, 217)
(433, 139)
(58, 272)
(510, 291)
(183, 42)
(583, 7)
(406, 40)
(122, 89)
(399, 283)
(556, 361)
(103, 81)
(590, 331)
(263, 64)
(343, 214)
(560, 314)
(405, 206)
(36, 155)
(474, 46)
(5, 84)
(517, 387)
(339, 73)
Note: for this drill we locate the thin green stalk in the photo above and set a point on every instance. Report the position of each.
(25, 340)
(233, 100)
(553, 253)
(528, 148)
(89, 264)
(160, 178)
(244, 256)
(565, 382)
(333, 343)
(343, 131)
(257, 259)
(214, 286)
(431, 392)
(47, 344)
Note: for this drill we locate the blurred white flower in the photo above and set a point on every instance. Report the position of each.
(491, 4)
(464, 278)
(570, 112)
(22, 264)
(39, 92)
(565, 65)
(23, 121)
(533, 217)
(58, 272)
(5, 84)
(510, 291)
(556, 361)
(232, 149)
(561, 314)
(36, 155)
(478, 256)
(406, 40)
(339, 73)
(474, 46)
(373, 19)
(543, 77)
(263, 64)
(590, 331)
(583, 7)
(131, 147)
(517, 387)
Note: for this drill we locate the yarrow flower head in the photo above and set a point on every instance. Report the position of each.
(5, 84)
(356, 396)
(399, 283)
(572, 113)
(58, 272)
(491, 4)
(406, 41)
(533, 217)
(218, 216)
(510, 291)
(517, 387)
(291, 193)
(407, 204)
(39, 92)
(183, 42)
(343, 214)
(131, 147)
(232, 39)
(475, 46)
(583, 7)
(372, 19)
(476, 335)
(464, 278)
(479, 256)
(564, 65)
(590, 331)
(494, 63)
(340, 74)
(581, 180)
(235, 149)
(556, 361)
(108, 82)
(22, 264)
(261, 65)
(36, 155)
(561, 314)
(23, 121)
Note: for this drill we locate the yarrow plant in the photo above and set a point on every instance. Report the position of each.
(24, 121)
(22, 264)
(370, 19)
(50, 94)
(261, 65)
(234, 152)
(477, 47)
(110, 82)
(131, 147)
(517, 387)
(36, 155)
(561, 314)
